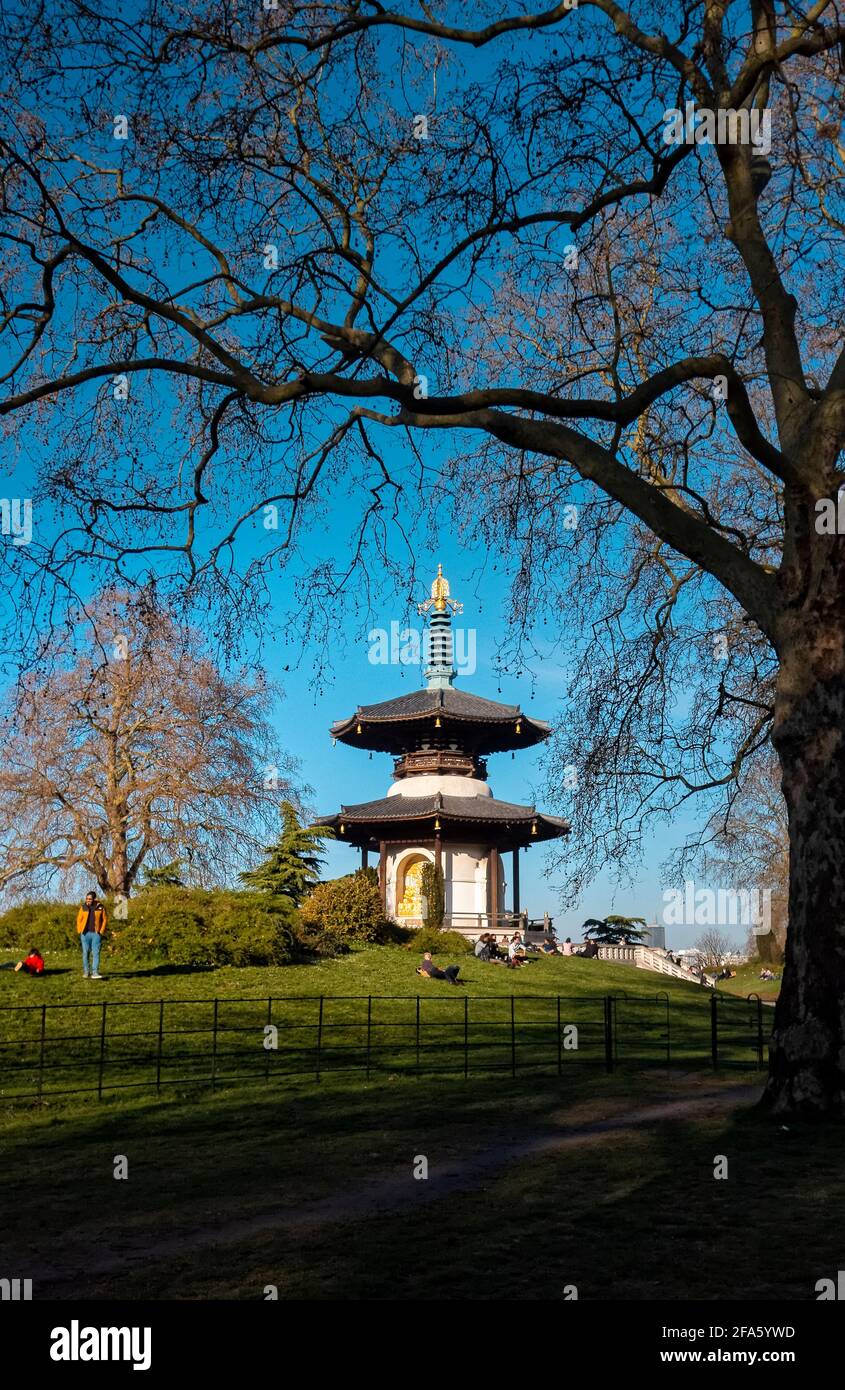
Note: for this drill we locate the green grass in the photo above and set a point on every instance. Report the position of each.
(377, 1015)
(372, 970)
(631, 1213)
(747, 981)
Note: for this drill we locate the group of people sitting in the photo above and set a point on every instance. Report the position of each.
(511, 952)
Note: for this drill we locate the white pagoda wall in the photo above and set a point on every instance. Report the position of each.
(464, 873)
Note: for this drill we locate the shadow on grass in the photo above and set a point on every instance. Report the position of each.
(157, 971)
(166, 969)
(643, 1214)
(62, 970)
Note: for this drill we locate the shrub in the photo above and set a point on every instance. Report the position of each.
(50, 926)
(193, 926)
(442, 943)
(433, 890)
(346, 909)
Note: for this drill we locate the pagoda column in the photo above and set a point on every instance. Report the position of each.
(365, 858)
(493, 888)
(516, 882)
(382, 872)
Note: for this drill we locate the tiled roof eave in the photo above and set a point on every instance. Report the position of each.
(374, 721)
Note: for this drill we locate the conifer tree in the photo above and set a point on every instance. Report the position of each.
(433, 894)
(293, 863)
(611, 931)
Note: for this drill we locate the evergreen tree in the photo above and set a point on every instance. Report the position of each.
(293, 863)
(168, 876)
(610, 931)
(433, 890)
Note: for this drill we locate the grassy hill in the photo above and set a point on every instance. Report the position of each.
(376, 970)
(169, 1027)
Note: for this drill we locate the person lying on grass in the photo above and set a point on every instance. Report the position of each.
(433, 972)
(33, 964)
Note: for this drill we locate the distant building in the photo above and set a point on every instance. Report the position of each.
(655, 935)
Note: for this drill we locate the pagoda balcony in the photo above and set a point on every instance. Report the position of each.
(440, 760)
(472, 924)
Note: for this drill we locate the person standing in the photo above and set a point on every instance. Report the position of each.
(91, 923)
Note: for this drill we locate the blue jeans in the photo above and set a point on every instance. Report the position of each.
(90, 943)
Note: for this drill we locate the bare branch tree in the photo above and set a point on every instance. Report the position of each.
(137, 750)
(318, 241)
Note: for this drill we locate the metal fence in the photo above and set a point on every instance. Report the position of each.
(67, 1049)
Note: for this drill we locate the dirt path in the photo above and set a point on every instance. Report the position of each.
(382, 1196)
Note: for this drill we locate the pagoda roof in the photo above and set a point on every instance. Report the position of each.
(393, 817)
(489, 726)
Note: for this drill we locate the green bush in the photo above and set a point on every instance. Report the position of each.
(194, 926)
(441, 943)
(345, 910)
(50, 926)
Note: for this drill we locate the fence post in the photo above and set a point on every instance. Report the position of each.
(760, 1062)
(369, 1030)
(608, 1032)
(267, 1049)
(102, 1053)
(320, 1034)
(160, 1044)
(214, 1049)
(41, 1050)
(513, 1039)
(418, 1035)
(559, 1041)
(466, 1037)
(714, 1029)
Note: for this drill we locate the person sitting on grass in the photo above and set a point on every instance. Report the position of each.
(433, 972)
(33, 964)
(548, 947)
(494, 955)
(516, 952)
(482, 948)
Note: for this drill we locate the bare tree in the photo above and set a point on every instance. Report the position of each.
(748, 843)
(712, 945)
(138, 750)
(303, 231)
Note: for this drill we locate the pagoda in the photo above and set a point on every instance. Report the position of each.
(440, 808)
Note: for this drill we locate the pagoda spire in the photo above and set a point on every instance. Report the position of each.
(440, 670)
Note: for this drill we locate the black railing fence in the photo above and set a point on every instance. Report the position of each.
(63, 1049)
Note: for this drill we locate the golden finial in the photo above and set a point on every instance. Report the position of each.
(440, 599)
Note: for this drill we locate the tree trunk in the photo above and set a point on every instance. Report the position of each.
(807, 1071)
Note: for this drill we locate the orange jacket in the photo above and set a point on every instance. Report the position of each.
(100, 918)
